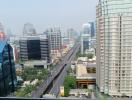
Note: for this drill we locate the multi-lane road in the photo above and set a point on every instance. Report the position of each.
(67, 62)
(55, 80)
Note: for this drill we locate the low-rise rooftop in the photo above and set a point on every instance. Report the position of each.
(82, 73)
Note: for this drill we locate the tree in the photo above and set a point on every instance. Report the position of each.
(66, 89)
(69, 83)
(24, 91)
(90, 55)
(33, 73)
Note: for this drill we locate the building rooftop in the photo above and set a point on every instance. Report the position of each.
(83, 91)
(81, 72)
(82, 58)
(33, 37)
(31, 63)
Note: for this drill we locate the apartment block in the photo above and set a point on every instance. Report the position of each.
(114, 47)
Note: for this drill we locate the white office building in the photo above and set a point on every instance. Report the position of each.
(114, 47)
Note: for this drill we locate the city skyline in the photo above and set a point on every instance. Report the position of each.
(66, 49)
(44, 14)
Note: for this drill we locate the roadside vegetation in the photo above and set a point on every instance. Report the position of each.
(69, 83)
(89, 55)
(30, 75)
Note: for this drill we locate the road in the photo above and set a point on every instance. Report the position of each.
(59, 81)
(59, 71)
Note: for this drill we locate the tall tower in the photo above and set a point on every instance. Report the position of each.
(86, 28)
(114, 47)
(54, 36)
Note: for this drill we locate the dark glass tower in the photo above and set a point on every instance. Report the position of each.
(7, 69)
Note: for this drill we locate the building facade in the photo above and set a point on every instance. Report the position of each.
(34, 48)
(92, 26)
(7, 69)
(54, 36)
(85, 42)
(114, 47)
(72, 34)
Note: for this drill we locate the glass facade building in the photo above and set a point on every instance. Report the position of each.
(92, 29)
(35, 47)
(114, 47)
(7, 69)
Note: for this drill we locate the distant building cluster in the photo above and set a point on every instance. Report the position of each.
(34, 50)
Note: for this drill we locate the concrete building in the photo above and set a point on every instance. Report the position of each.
(15, 52)
(35, 48)
(7, 69)
(85, 73)
(54, 36)
(114, 47)
(78, 92)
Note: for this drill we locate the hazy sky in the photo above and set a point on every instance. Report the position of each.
(46, 13)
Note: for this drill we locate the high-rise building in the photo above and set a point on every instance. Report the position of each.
(54, 35)
(86, 28)
(85, 37)
(7, 69)
(92, 26)
(114, 47)
(35, 48)
(85, 40)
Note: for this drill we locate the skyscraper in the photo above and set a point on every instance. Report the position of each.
(92, 33)
(85, 37)
(7, 69)
(114, 47)
(86, 28)
(85, 40)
